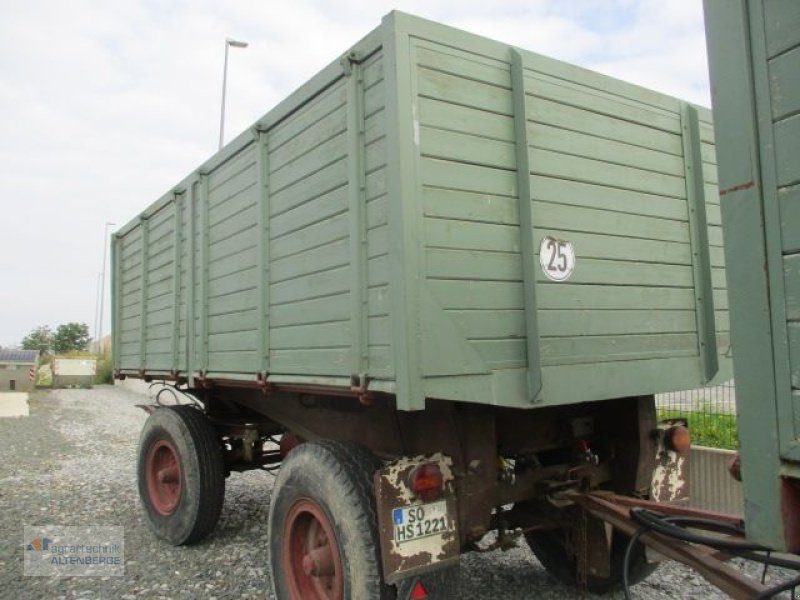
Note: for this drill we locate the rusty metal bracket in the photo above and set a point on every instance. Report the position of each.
(700, 558)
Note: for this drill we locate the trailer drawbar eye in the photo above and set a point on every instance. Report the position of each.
(426, 481)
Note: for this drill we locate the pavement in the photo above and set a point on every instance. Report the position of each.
(14, 404)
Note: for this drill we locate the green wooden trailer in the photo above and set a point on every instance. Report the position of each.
(754, 50)
(444, 276)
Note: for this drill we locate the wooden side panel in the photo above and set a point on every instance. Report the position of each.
(129, 257)
(607, 173)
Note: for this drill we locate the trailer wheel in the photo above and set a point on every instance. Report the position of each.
(550, 547)
(323, 533)
(180, 474)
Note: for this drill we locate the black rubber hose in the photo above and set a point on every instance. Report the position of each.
(671, 527)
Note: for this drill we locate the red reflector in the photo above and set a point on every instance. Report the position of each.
(426, 481)
(419, 592)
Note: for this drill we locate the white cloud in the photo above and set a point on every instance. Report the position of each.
(105, 105)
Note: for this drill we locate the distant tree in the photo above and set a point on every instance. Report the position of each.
(70, 337)
(40, 339)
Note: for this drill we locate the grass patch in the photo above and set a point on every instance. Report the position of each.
(715, 430)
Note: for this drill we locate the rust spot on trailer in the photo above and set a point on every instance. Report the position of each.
(790, 512)
(737, 188)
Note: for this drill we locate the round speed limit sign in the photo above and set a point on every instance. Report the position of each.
(557, 258)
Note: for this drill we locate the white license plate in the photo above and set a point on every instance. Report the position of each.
(420, 520)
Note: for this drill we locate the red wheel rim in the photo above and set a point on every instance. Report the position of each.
(311, 558)
(163, 475)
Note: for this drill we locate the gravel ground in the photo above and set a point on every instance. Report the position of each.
(72, 462)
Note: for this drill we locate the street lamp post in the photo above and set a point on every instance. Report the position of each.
(228, 44)
(103, 286)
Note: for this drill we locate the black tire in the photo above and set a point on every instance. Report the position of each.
(335, 478)
(549, 546)
(187, 432)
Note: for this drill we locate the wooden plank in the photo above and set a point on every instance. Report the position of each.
(701, 263)
(246, 320)
(464, 92)
(793, 330)
(557, 114)
(491, 324)
(179, 202)
(263, 234)
(232, 188)
(592, 349)
(469, 206)
(356, 243)
(310, 213)
(311, 361)
(782, 25)
(232, 341)
(315, 235)
(234, 263)
(241, 241)
(314, 185)
(402, 185)
(456, 62)
(230, 281)
(498, 266)
(499, 295)
(470, 178)
(329, 127)
(307, 116)
(581, 144)
(231, 169)
(464, 119)
(234, 215)
(317, 285)
(784, 84)
(600, 102)
(791, 281)
(522, 143)
(317, 335)
(787, 150)
(238, 361)
(236, 301)
(317, 157)
(589, 220)
(575, 168)
(789, 206)
(318, 310)
(328, 256)
(467, 235)
(143, 298)
(460, 147)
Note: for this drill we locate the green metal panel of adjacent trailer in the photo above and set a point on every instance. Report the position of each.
(754, 49)
(369, 231)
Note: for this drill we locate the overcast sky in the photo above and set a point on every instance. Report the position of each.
(104, 105)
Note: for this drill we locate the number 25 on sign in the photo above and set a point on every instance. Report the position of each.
(557, 258)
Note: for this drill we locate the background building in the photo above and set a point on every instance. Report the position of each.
(17, 370)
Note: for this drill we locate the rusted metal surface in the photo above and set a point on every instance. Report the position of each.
(405, 558)
(715, 571)
(670, 481)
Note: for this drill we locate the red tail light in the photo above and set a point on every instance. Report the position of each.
(426, 481)
(679, 439)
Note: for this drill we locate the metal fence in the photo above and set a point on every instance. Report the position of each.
(710, 411)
